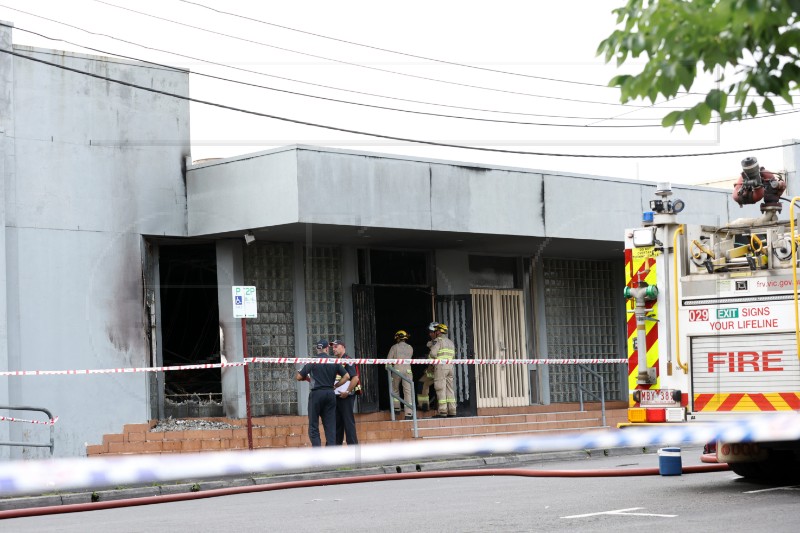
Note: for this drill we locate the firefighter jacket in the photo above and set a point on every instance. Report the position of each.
(442, 348)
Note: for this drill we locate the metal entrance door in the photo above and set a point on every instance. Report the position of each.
(366, 347)
(456, 312)
(499, 329)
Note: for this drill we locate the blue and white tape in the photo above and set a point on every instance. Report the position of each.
(31, 477)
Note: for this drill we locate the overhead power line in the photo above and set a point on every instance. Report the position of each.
(406, 54)
(371, 134)
(340, 61)
(361, 104)
(375, 95)
(619, 117)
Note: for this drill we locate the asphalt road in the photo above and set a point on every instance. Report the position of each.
(719, 501)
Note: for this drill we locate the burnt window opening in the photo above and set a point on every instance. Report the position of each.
(488, 272)
(190, 327)
(389, 267)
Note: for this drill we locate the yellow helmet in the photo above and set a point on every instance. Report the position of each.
(442, 328)
(401, 335)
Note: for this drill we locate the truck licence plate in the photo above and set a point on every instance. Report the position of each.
(657, 397)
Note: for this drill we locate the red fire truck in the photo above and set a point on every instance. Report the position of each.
(713, 327)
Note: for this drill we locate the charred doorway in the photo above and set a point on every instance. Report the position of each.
(190, 329)
(395, 290)
(406, 308)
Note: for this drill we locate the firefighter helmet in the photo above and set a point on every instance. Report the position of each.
(432, 326)
(442, 328)
(401, 335)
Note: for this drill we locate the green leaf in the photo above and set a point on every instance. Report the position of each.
(671, 118)
(752, 109)
(768, 105)
(618, 81)
(689, 118)
(790, 72)
(686, 76)
(787, 40)
(703, 113)
(715, 99)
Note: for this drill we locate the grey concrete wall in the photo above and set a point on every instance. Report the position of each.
(295, 185)
(6, 162)
(85, 183)
(242, 193)
(230, 273)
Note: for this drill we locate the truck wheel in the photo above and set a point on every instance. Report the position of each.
(776, 468)
(747, 470)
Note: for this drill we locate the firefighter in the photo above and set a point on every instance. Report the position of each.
(426, 380)
(401, 350)
(443, 349)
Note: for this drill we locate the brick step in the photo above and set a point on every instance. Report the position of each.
(525, 432)
(292, 431)
(498, 420)
(453, 430)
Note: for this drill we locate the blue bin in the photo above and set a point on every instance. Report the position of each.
(669, 462)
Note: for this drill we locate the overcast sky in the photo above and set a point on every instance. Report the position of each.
(513, 44)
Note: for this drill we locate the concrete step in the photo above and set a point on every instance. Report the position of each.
(292, 431)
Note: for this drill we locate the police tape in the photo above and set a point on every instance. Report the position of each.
(476, 362)
(29, 477)
(116, 370)
(43, 422)
(313, 360)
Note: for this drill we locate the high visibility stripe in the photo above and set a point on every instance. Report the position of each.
(632, 268)
(729, 403)
(701, 400)
(747, 402)
(761, 401)
(792, 400)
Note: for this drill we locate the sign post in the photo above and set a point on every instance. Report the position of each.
(245, 306)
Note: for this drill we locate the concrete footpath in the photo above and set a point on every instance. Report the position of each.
(104, 494)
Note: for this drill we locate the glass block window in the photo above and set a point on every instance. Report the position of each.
(324, 312)
(581, 316)
(269, 266)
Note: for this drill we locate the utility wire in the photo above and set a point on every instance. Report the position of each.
(437, 80)
(371, 47)
(361, 104)
(594, 124)
(376, 135)
(406, 54)
(480, 87)
(638, 108)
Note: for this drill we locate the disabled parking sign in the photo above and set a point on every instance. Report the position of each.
(244, 301)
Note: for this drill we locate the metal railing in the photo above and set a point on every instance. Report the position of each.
(582, 389)
(413, 405)
(50, 444)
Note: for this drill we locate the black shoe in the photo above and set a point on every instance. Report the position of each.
(439, 416)
(423, 407)
(409, 415)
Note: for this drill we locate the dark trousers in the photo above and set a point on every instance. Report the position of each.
(346, 420)
(322, 404)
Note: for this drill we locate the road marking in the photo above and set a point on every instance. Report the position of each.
(623, 512)
(789, 487)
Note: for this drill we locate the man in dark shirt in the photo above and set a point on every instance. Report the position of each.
(322, 400)
(346, 400)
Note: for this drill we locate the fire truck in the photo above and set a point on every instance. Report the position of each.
(713, 327)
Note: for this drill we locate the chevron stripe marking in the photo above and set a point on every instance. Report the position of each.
(701, 401)
(792, 400)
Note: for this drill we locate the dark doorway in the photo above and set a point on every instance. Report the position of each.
(190, 327)
(407, 308)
